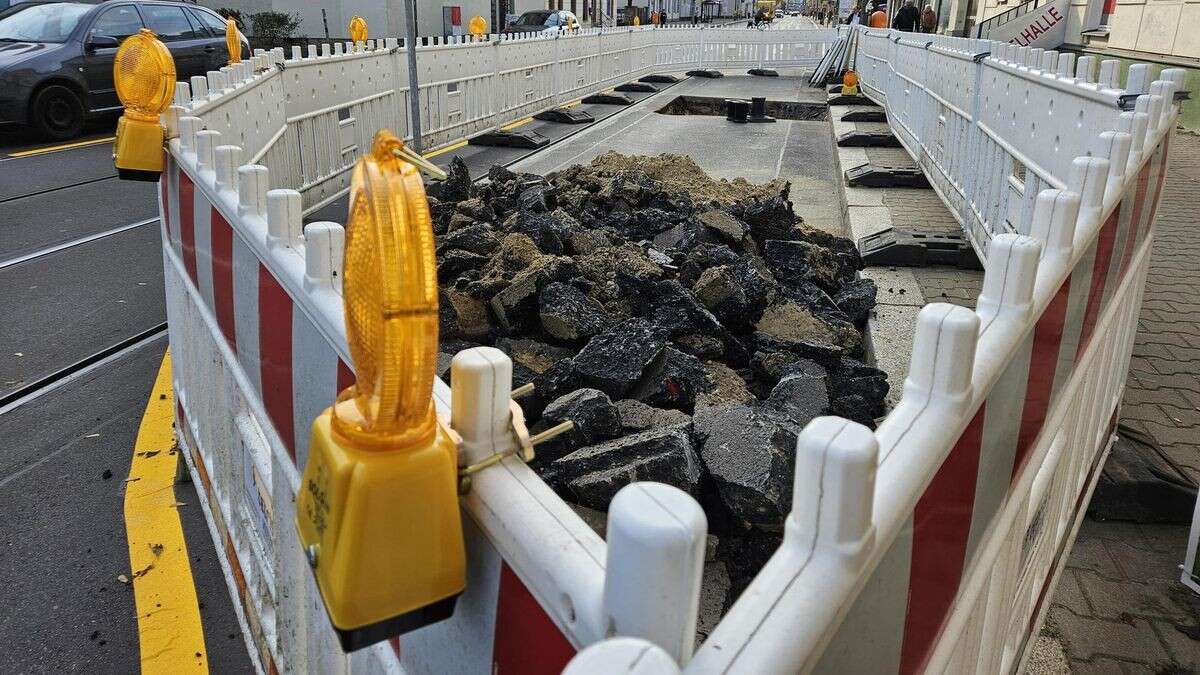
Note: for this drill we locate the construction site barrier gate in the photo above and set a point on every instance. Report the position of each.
(930, 543)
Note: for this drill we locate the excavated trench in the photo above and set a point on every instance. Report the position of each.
(690, 327)
(710, 105)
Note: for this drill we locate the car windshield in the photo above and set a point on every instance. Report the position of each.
(534, 19)
(52, 22)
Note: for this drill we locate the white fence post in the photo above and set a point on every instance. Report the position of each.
(324, 245)
(284, 218)
(1054, 217)
(252, 191)
(622, 656)
(1087, 180)
(656, 542)
(1008, 282)
(834, 489)
(227, 158)
(206, 140)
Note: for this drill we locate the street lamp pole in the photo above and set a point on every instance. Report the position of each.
(414, 94)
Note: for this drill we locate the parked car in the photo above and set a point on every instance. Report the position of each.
(544, 21)
(56, 58)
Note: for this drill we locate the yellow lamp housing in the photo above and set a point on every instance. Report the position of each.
(144, 75)
(233, 42)
(378, 509)
(477, 26)
(358, 30)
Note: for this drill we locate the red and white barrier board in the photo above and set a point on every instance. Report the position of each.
(926, 544)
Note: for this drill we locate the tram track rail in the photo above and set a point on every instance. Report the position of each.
(57, 188)
(44, 384)
(26, 257)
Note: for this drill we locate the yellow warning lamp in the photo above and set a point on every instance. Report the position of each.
(358, 30)
(378, 510)
(850, 83)
(477, 26)
(637, 20)
(144, 75)
(233, 42)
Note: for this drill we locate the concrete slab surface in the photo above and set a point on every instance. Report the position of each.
(480, 158)
(798, 151)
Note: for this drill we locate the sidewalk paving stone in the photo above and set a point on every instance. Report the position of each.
(1184, 650)
(1116, 599)
(1130, 640)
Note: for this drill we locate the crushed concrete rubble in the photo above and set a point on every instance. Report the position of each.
(689, 327)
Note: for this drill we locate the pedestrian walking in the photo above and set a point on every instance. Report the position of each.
(928, 20)
(908, 17)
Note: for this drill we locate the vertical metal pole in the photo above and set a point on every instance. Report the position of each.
(414, 94)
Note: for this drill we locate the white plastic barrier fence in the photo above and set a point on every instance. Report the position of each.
(308, 116)
(927, 544)
(993, 124)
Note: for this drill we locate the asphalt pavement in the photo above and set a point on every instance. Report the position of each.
(81, 296)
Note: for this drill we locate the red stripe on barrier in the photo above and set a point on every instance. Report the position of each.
(275, 356)
(527, 641)
(345, 376)
(187, 223)
(1135, 223)
(1047, 336)
(235, 568)
(395, 643)
(941, 526)
(1162, 179)
(164, 180)
(180, 415)
(222, 274)
(1104, 251)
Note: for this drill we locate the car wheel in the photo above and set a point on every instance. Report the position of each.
(57, 113)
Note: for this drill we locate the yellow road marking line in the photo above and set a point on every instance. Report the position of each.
(572, 104)
(64, 146)
(442, 151)
(170, 635)
(516, 124)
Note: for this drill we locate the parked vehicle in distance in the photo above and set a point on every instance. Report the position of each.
(544, 21)
(56, 58)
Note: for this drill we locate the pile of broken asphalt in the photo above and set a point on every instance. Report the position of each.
(689, 327)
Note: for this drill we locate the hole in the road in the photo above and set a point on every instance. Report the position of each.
(715, 105)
